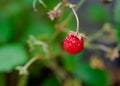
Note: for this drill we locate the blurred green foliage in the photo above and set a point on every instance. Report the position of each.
(18, 21)
(92, 77)
(51, 81)
(83, 71)
(5, 31)
(10, 56)
(117, 18)
(97, 13)
(117, 12)
(2, 80)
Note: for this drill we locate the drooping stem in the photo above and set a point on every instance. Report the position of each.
(66, 21)
(77, 20)
(41, 2)
(34, 5)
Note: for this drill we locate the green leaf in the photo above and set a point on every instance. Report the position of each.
(70, 61)
(28, 3)
(92, 77)
(83, 71)
(42, 29)
(118, 32)
(55, 48)
(11, 9)
(11, 56)
(5, 31)
(117, 18)
(51, 82)
(117, 11)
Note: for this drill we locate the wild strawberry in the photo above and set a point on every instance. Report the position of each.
(73, 44)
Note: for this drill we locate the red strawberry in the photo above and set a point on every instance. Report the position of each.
(73, 44)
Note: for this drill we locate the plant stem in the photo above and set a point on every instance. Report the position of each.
(30, 62)
(34, 5)
(77, 20)
(23, 80)
(66, 21)
(41, 2)
(58, 71)
(2, 79)
(58, 6)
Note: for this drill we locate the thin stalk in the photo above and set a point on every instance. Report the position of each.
(58, 6)
(34, 5)
(23, 80)
(66, 21)
(41, 2)
(30, 62)
(77, 20)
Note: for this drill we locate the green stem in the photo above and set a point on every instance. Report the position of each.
(2, 79)
(58, 71)
(30, 62)
(66, 21)
(24, 70)
(77, 20)
(41, 2)
(23, 80)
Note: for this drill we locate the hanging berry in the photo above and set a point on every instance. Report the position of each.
(73, 44)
